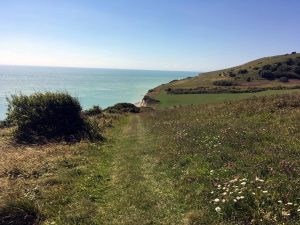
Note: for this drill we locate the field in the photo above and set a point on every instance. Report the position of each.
(168, 100)
(226, 163)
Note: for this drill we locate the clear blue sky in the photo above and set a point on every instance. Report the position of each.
(196, 35)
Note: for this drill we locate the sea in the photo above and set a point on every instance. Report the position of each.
(103, 87)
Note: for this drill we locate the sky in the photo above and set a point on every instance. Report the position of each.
(187, 35)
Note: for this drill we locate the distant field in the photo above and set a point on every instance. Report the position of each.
(168, 100)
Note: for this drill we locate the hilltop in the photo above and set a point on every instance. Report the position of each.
(269, 75)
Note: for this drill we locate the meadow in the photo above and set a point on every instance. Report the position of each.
(234, 162)
(169, 100)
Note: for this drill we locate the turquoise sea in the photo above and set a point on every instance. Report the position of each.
(103, 87)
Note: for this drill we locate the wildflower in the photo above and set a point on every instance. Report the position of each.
(289, 203)
(280, 201)
(234, 200)
(253, 193)
(298, 210)
(218, 209)
(265, 192)
(223, 200)
(212, 192)
(285, 213)
(224, 193)
(243, 183)
(258, 179)
(216, 200)
(234, 180)
(242, 197)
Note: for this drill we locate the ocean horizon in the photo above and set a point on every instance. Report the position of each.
(92, 86)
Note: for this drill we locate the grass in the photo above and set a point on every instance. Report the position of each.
(66, 181)
(168, 100)
(227, 163)
(233, 163)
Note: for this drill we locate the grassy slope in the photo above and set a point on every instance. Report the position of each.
(167, 100)
(207, 79)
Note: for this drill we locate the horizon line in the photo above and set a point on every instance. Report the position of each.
(105, 68)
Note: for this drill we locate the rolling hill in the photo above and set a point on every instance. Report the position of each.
(266, 75)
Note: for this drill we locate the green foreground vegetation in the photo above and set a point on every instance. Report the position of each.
(168, 100)
(226, 163)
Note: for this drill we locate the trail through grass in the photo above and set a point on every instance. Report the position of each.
(139, 193)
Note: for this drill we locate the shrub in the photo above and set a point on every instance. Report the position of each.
(48, 116)
(95, 110)
(20, 213)
(243, 71)
(232, 74)
(248, 79)
(293, 53)
(284, 79)
(4, 123)
(123, 108)
(267, 75)
(266, 67)
(297, 70)
(223, 83)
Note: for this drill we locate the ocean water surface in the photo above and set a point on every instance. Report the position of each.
(103, 87)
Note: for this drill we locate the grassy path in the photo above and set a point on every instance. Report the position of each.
(138, 192)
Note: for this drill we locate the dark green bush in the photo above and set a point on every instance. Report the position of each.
(4, 123)
(95, 110)
(48, 116)
(232, 74)
(123, 108)
(266, 67)
(20, 212)
(267, 75)
(297, 70)
(243, 71)
(284, 68)
(248, 79)
(224, 83)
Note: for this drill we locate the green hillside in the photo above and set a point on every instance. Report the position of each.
(265, 74)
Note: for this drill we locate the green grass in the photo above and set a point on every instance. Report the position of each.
(233, 163)
(228, 163)
(168, 100)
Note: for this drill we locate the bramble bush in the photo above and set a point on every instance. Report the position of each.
(41, 117)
